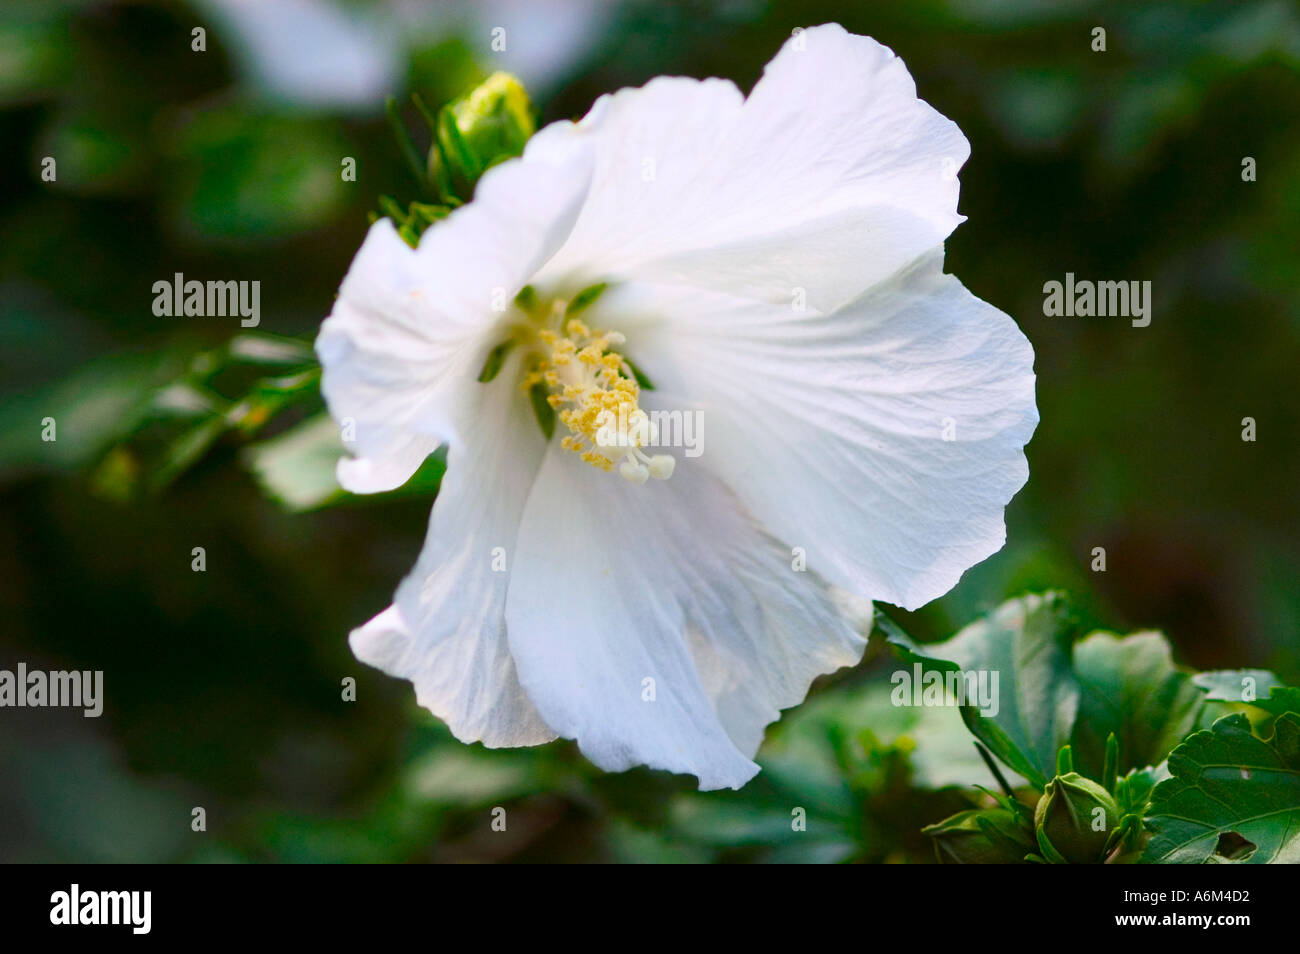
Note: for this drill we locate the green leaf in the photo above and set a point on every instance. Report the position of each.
(1133, 796)
(37, 51)
(939, 748)
(1130, 687)
(1133, 791)
(631, 844)
(1228, 785)
(468, 775)
(1255, 687)
(1026, 642)
(97, 405)
(185, 417)
(244, 176)
(183, 452)
(255, 347)
(101, 148)
(268, 397)
(297, 468)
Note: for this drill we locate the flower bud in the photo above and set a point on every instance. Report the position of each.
(1074, 819)
(976, 837)
(496, 120)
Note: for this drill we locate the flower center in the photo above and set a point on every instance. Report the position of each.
(594, 392)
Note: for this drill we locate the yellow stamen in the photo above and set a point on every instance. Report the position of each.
(597, 398)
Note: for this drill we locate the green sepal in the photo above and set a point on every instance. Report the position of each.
(495, 360)
(542, 409)
(1064, 761)
(642, 380)
(584, 300)
(527, 300)
(469, 136)
(1110, 770)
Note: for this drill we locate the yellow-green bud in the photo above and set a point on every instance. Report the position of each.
(488, 126)
(495, 120)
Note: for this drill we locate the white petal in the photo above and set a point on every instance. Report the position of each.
(411, 328)
(615, 584)
(829, 178)
(832, 429)
(446, 629)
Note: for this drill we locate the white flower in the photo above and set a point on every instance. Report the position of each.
(773, 263)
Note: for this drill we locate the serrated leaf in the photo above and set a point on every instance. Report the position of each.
(1227, 782)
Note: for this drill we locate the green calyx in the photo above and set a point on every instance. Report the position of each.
(467, 137)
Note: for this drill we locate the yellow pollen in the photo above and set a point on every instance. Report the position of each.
(596, 396)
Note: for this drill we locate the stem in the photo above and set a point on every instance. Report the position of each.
(993, 767)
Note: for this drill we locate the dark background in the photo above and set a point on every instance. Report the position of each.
(223, 687)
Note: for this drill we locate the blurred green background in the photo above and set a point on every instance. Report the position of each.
(223, 687)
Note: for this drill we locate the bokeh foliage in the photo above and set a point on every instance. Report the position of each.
(224, 686)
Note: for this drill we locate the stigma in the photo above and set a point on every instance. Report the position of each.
(594, 393)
